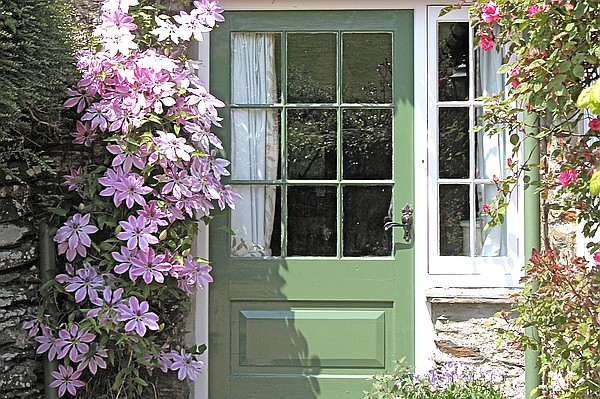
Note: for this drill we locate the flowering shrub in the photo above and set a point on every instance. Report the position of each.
(451, 381)
(553, 56)
(118, 310)
(564, 308)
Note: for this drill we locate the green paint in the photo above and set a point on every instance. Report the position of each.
(313, 327)
(532, 240)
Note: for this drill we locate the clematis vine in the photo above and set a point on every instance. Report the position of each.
(125, 289)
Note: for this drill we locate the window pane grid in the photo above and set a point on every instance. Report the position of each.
(294, 187)
(455, 102)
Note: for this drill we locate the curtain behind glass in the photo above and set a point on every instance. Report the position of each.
(491, 154)
(255, 141)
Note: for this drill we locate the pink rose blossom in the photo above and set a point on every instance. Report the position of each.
(595, 124)
(490, 12)
(567, 176)
(486, 41)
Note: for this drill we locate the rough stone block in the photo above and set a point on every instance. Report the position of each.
(18, 257)
(11, 234)
(8, 210)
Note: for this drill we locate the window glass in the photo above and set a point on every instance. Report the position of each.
(367, 68)
(311, 67)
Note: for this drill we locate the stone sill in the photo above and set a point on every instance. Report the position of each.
(470, 295)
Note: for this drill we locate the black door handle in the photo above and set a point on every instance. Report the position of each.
(406, 220)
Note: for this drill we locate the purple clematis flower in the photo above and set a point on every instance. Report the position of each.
(84, 283)
(137, 232)
(73, 237)
(149, 266)
(66, 380)
(137, 316)
(185, 365)
(73, 342)
(131, 189)
(47, 343)
(94, 359)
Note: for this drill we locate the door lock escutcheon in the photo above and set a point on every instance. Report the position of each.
(406, 220)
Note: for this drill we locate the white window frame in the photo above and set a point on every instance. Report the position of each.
(465, 271)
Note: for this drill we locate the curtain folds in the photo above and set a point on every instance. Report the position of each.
(255, 142)
(490, 155)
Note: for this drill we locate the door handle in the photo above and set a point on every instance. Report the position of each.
(406, 220)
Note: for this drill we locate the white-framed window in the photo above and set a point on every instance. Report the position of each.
(463, 164)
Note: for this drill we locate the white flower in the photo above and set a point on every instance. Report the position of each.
(114, 5)
(165, 29)
(190, 25)
(123, 43)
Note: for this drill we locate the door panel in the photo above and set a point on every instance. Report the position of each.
(312, 296)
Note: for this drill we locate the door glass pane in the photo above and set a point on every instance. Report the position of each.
(311, 143)
(311, 67)
(367, 143)
(256, 221)
(367, 68)
(454, 143)
(255, 144)
(255, 77)
(453, 61)
(490, 242)
(454, 220)
(487, 79)
(311, 217)
(490, 152)
(364, 211)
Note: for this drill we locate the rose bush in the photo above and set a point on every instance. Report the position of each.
(117, 313)
(551, 63)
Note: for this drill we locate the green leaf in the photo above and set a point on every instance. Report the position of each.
(578, 71)
(58, 211)
(595, 183)
(514, 139)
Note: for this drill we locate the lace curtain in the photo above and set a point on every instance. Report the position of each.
(255, 142)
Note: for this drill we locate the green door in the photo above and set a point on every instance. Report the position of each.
(311, 296)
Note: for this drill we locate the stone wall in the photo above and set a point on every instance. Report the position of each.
(20, 370)
(466, 330)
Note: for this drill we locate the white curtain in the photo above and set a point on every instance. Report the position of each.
(490, 155)
(255, 142)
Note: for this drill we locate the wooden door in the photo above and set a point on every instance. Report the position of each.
(311, 295)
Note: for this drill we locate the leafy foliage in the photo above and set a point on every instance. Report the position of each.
(117, 312)
(37, 67)
(552, 69)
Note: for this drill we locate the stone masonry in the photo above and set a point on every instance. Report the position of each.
(466, 330)
(20, 370)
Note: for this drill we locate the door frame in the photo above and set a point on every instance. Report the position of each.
(423, 342)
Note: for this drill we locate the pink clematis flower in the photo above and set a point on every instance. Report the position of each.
(137, 232)
(138, 316)
(195, 273)
(73, 237)
(173, 147)
(66, 380)
(85, 134)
